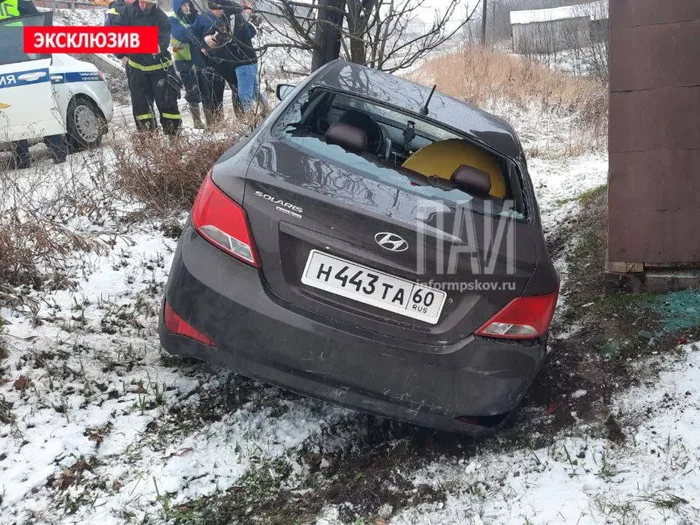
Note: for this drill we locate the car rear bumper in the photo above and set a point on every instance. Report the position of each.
(478, 378)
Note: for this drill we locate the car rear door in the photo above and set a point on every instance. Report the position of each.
(28, 108)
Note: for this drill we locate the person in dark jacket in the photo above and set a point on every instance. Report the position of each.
(111, 17)
(113, 11)
(246, 61)
(152, 76)
(212, 31)
(56, 143)
(188, 58)
(231, 47)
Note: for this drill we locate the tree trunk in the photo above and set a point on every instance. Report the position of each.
(327, 35)
(357, 17)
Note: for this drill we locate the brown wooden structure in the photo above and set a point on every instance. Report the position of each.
(654, 178)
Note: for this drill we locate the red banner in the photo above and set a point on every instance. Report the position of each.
(91, 39)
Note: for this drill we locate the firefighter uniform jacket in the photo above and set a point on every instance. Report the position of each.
(132, 15)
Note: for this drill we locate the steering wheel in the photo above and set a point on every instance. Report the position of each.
(375, 140)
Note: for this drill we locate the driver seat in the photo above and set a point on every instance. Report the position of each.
(358, 119)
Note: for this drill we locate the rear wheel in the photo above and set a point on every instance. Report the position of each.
(84, 124)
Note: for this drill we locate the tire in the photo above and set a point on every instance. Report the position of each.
(85, 124)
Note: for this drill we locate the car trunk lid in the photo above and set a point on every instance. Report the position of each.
(299, 205)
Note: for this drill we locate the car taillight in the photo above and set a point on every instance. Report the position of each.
(522, 318)
(223, 222)
(178, 326)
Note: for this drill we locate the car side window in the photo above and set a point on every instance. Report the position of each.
(293, 115)
(12, 38)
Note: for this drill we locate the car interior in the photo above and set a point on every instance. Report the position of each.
(423, 152)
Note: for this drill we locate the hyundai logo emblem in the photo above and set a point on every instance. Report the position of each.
(391, 242)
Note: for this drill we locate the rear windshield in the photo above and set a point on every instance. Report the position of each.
(402, 151)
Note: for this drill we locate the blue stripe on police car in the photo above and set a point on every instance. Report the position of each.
(23, 78)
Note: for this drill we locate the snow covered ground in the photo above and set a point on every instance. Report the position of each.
(98, 426)
(105, 429)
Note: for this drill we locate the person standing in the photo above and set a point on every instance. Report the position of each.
(58, 148)
(111, 17)
(231, 46)
(246, 61)
(152, 76)
(212, 31)
(188, 59)
(114, 9)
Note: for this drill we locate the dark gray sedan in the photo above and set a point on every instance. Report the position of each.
(373, 243)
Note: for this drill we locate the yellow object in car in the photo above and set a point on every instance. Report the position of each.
(444, 157)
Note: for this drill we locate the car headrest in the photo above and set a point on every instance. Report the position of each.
(357, 118)
(472, 180)
(347, 137)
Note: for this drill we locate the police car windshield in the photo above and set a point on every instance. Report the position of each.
(12, 39)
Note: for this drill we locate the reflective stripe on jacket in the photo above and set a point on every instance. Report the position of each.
(165, 64)
(181, 50)
(9, 9)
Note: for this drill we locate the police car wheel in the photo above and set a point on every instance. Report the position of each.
(84, 124)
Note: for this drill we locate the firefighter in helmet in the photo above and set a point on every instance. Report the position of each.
(152, 76)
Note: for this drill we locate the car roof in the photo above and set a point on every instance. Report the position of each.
(410, 97)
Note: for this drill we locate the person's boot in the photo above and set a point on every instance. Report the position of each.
(196, 116)
(58, 148)
(20, 155)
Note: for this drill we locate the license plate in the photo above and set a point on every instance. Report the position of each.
(368, 286)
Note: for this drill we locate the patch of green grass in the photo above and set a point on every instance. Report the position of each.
(257, 487)
(665, 500)
(594, 194)
(614, 303)
(76, 488)
(6, 415)
(587, 197)
(623, 512)
(3, 350)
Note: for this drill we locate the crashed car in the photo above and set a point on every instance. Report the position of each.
(373, 243)
(44, 95)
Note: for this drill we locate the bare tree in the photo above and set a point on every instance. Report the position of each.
(384, 34)
(327, 36)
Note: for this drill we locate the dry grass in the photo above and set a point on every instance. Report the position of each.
(42, 212)
(22, 245)
(48, 211)
(166, 174)
(481, 76)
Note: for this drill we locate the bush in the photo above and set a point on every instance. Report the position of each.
(21, 245)
(46, 212)
(166, 174)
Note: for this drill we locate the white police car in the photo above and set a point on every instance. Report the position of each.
(43, 95)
